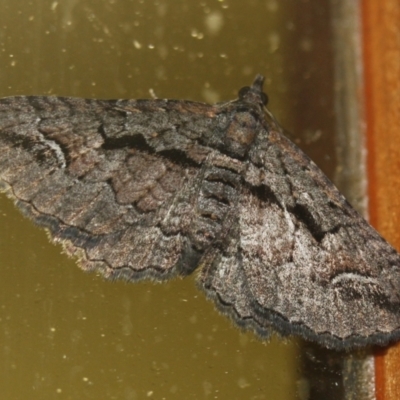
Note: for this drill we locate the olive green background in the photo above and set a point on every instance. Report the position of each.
(65, 334)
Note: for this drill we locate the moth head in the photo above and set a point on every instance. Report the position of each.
(254, 94)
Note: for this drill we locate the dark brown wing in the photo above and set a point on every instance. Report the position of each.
(304, 261)
(115, 181)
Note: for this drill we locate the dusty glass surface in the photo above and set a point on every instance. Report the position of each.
(69, 335)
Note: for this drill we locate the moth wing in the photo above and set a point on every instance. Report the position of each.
(304, 261)
(87, 171)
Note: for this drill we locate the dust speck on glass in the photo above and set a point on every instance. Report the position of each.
(154, 189)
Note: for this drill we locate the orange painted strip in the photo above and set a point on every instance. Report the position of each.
(381, 45)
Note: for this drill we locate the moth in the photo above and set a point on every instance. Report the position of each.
(155, 189)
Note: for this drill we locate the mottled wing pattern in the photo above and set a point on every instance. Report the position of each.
(115, 181)
(156, 188)
(305, 261)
